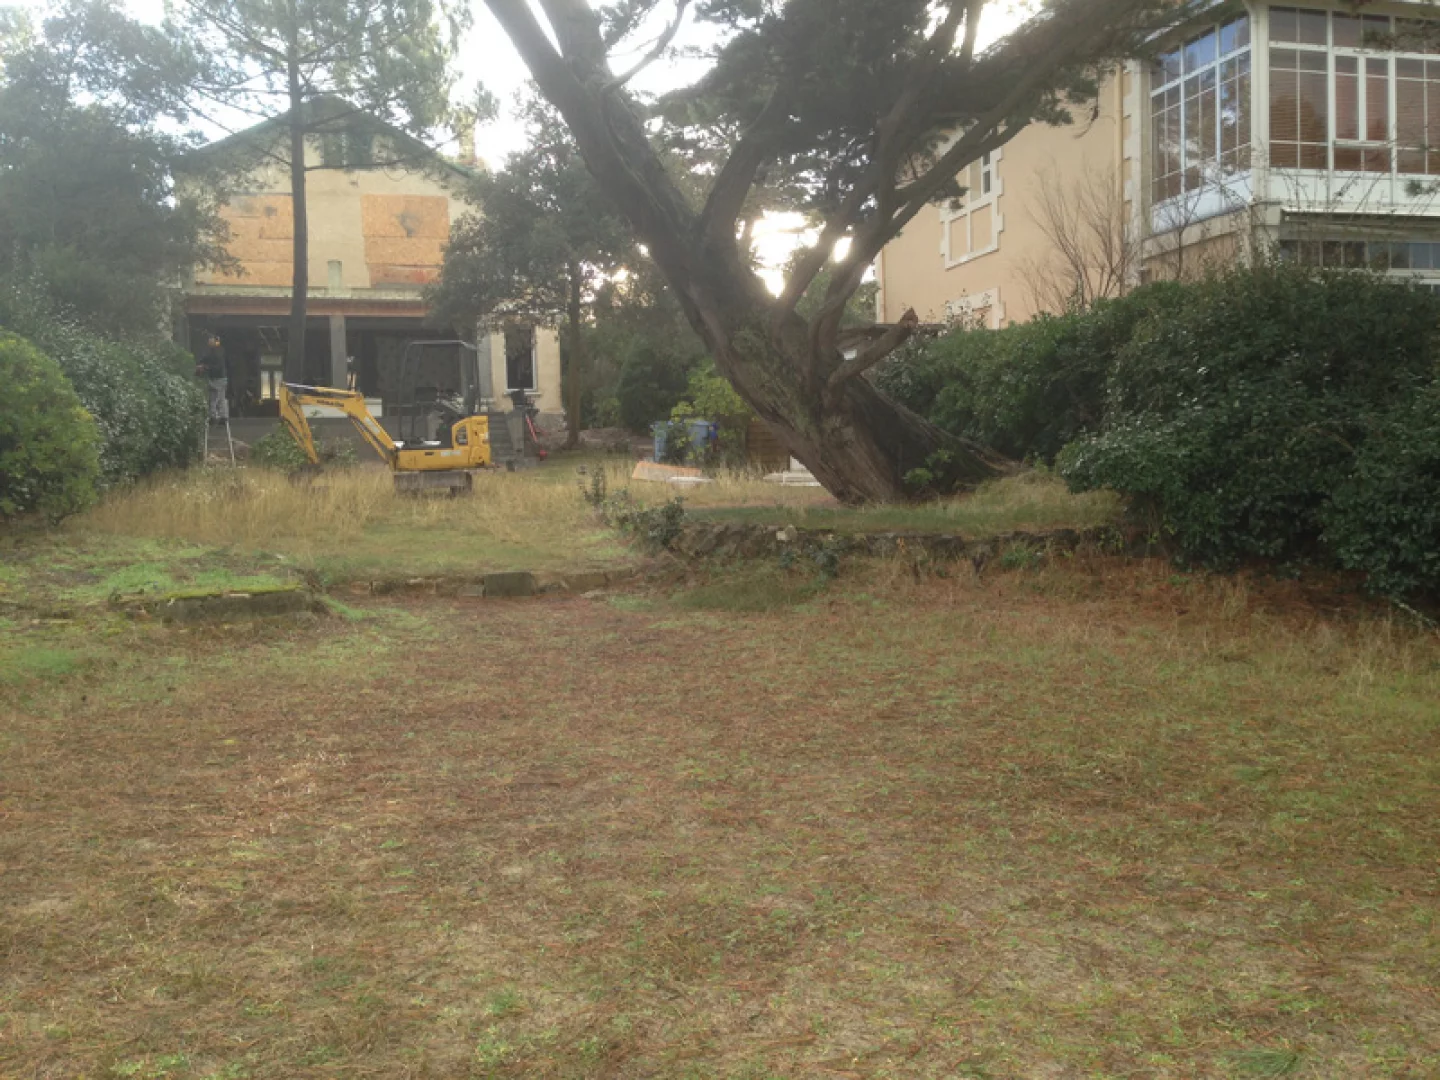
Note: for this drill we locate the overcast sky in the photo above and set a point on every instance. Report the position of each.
(487, 57)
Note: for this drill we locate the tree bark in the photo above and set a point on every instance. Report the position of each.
(300, 252)
(575, 345)
(859, 444)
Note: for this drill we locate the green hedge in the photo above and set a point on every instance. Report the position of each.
(49, 460)
(1384, 517)
(1279, 413)
(149, 411)
(1029, 389)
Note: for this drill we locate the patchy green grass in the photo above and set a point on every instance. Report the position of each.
(351, 523)
(57, 573)
(1089, 820)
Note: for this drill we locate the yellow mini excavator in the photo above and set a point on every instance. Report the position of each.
(445, 463)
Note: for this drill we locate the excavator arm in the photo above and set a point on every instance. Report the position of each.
(294, 398)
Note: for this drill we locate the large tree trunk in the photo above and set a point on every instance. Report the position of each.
(859, 444)
(575, 346)
(300, 251)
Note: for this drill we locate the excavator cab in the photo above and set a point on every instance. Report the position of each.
(427, 416)
(441, 440)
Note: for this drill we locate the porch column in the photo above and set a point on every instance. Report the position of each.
(339, 377)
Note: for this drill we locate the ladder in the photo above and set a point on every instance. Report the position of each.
(212, 446)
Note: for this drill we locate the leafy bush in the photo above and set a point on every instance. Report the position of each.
(49, 461)
(709, 396)
(149, 413)
(652, 381)
(1029, 389)
(1231, 421)
(656, 527)
(278, 450)
(1384, 518)
(678, 448)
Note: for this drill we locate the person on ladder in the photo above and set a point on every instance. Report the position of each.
(217, 379)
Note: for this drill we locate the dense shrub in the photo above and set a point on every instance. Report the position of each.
(1384, 518)
(150, 414)
(1231, 421)
(279, 450)
(1029, 389)
(652, 382)
(49, 461)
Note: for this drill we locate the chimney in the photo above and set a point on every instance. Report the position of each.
(467, 143)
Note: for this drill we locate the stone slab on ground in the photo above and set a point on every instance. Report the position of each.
(222, 606)
(660, 474)
(511, 583)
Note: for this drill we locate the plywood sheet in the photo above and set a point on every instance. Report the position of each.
(426, 251)
(382, 274)
(405, 216)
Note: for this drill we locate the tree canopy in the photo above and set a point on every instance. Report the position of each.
(544, 240)
(867, 110)
(386, 60)
(89, 208)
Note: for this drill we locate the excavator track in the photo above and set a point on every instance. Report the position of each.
(450, 482)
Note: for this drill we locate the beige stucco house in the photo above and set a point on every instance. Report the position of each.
(1310, 132)
(380, 206)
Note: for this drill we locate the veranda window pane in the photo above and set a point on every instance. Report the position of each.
(1347, 159)
(1235, 35)
(1310, 27)
(1199, 52)
(1347, 31)
(1283, 26)
(1377, 100)
(1284, 99)
(1242, 98)
(1314, 109)
(1167, 68)
(1410, 161)
(1409, 112)
(1347, 98)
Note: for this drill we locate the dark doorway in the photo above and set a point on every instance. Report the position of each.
(520, 358)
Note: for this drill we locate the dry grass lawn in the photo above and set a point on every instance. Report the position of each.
(350, 522)
(1089, 821)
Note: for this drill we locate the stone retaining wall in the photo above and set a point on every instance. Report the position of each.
(718, 540)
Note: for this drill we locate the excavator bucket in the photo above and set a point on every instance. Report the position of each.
(450, 482)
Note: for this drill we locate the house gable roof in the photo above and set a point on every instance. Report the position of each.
(329, 114)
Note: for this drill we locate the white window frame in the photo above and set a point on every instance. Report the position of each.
(1343, 185)
(989, 172)
(1217, 194)
(965, 306)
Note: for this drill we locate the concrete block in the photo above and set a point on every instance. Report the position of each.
(514, 583)
(585, 582)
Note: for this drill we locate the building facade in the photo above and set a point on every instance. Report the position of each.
(1311, 132)
(380, 206)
